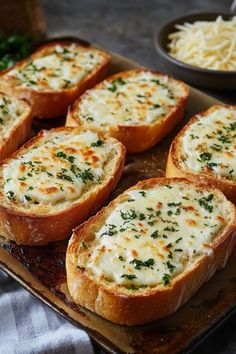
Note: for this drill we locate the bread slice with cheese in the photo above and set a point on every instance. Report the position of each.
(55, 181)
(55, 75)
(15, 123)
(205, 150)
(145, 254)
(138, 107)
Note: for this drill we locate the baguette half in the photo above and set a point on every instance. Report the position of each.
(138, 107)
(15, 123)
(54, 76)
(55, 181)
(145, 254)
(205, 150)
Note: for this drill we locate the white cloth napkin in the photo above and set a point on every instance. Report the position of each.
(27, 326)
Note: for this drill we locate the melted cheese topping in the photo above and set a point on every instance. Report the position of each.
(60, 167)
(152, 236)
(140, 98)
(209, 144)
(11, 111)
(59, 67)
(206, 44)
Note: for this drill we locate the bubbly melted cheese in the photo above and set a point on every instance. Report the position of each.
(58, 168)
(209, 144)
(140, 98)
(11, 110)
(60, 67)
(153, 235)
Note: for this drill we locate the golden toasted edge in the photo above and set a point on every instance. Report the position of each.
(50, 104)
(174, 168)
(141, 137)
(33, 229)
(19, 133)
(154, 303)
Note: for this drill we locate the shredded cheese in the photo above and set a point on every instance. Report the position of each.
(206, 44)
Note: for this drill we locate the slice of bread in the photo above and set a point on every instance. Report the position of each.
(54, 76)
(55, 181)
(205, 150)
(138, 107)
(145, 254)
(15, 123)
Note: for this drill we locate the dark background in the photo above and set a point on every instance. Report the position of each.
(127, 27)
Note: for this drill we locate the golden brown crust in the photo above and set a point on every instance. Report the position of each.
(18, 134)
(138, 138)
(50, 104)
(153, 303)
(32, 229)
(174, 169)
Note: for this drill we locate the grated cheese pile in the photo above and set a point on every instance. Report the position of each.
(206, 44)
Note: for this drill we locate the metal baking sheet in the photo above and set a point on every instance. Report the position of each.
(41, 270)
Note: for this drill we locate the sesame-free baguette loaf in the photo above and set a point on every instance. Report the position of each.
(205, 150)
(54, 76)
(138, 107)
(145, 254)
(15, 123)
(55, 181)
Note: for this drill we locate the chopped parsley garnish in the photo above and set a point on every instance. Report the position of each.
(205, 156)
(120, 81)
(64, 156)
(166, 279)
(154, 234)
(129, 276)
(141, 216)
(174, 204)
(86, 175)
(170, 266)
(121, 258)
(211, 165)
(139, 264)
(143, 193)
(204, 202)
(98, 143)
(232, 126)
(129, 215)
(216, 147)
(113, 85)
(155, 106)
(170, 229)
(61, 154)
(27, 197)
(10, 195)
(65, 177)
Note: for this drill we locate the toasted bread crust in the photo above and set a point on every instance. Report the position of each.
(50, 104)
(137, 138)
(34, 229)
(174, 169)
(18, 134)
(156, 302)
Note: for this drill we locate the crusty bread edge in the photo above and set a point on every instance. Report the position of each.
(33, 229)
(138, 138)
(51, 104)
(157, 302)
(174, 169)
(18, 134)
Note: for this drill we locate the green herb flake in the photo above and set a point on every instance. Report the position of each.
(166, 279)
(129, 276)
(98, 143)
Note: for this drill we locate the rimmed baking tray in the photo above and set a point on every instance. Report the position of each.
(41, 270)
